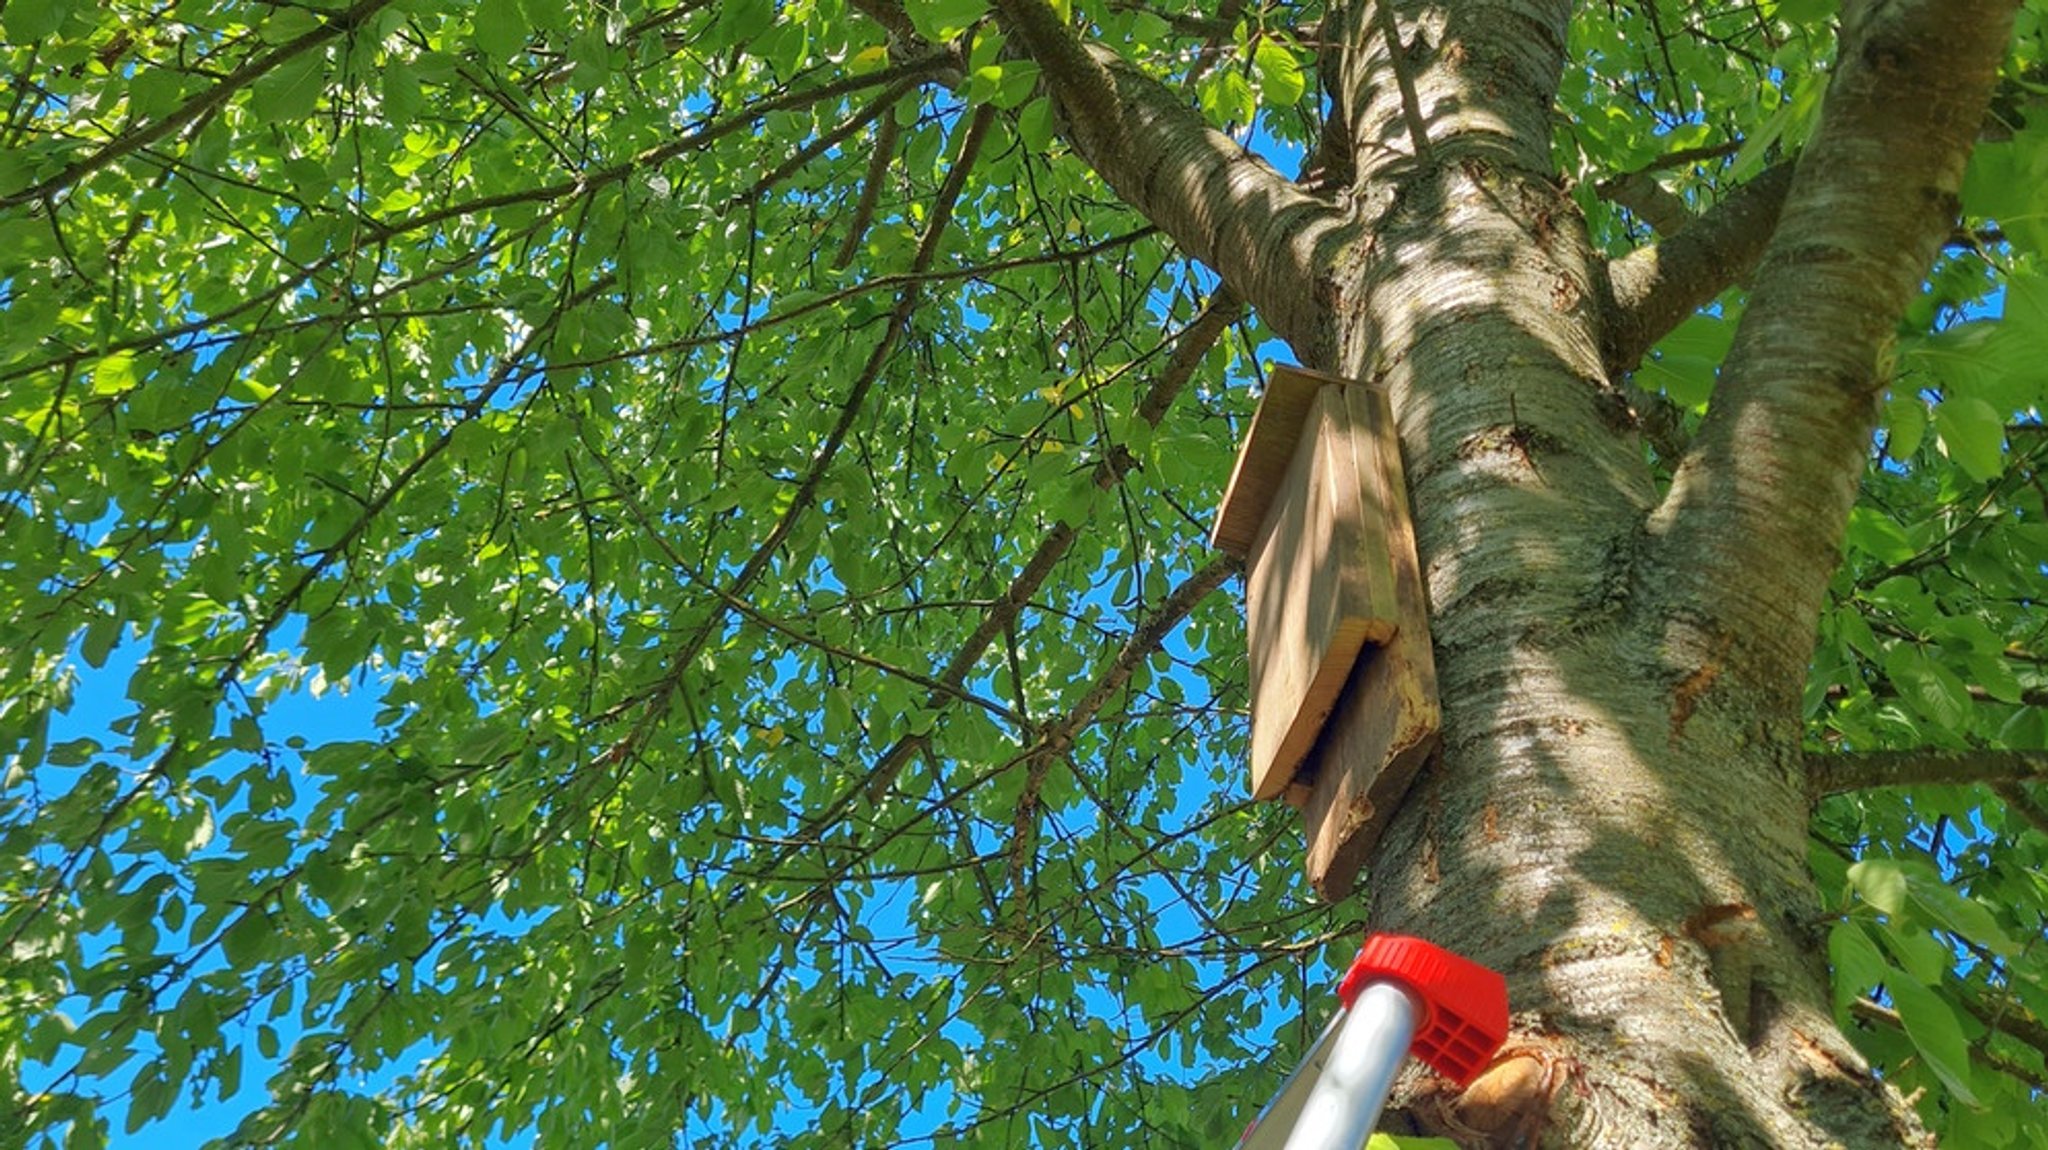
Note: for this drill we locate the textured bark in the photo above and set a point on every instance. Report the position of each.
(1271, 240)
(1572, 835)
(1654, 288)
(1836, 774)
(1774, 469)
(1618, 816)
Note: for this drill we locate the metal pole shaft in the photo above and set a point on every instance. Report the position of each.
(1365, 1056)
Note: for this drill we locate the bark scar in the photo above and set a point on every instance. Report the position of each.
(1685, 698)
(1732, 934)
(1509, 1105)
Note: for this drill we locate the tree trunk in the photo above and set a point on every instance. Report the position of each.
(1624, 841)
(1617, 819)
(1610, 823)
(1618, 816)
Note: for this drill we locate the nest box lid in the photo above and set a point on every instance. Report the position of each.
(1263, 460)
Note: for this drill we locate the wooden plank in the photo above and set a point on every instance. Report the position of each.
(1387, 716)
(1268, 452)
(1319, 586)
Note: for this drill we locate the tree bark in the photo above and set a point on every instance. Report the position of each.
(1618, 816)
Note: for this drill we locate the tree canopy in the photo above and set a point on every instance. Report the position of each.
(636, 573)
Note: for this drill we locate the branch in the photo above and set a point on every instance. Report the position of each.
(1886, 689)
(1056, 739)
(2009, 1017)
(1870, 770)
(766, 622)
(1194, 343)
(2026, 806)
(1663, 209)
(1221, 204)
(1869, 1011)
(662, 694)
(1213, 29)
(1654, 288)
(870, 192)
(377, 232)
(1404, 76)
(128, 142)
(826, 141)
(893, 19)
(1749, 532)
(1639, 191)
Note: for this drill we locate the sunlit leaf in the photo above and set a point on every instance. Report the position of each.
(1973, 434)
(1931, 1023)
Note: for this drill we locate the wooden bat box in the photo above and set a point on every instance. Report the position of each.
(1343, 684)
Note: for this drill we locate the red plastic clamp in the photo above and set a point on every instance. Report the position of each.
(1464, 1005)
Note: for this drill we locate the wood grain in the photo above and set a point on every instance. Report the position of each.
(1268, 452)
(1386, 722)
(1319, 585)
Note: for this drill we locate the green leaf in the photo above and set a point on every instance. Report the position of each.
(72, 753)
(1791, 123)
(1996, 676)
(1929, 686)
(1943, 906)
(1034, 124)
(27, 21)
(1020, 80)
(290, 92)
(501, 29)
(1903, 597)
(1875, 534)
(402, 96)
(590, 55)
(1882, 883)
(1937, 1034)
(785, 46)
(1684, 363)
(1235, 100)
(154, 92)
(2026, 729)
(100, 636)
(942, 20)
(1807, 11)
(247, 940)
(1922, 956)
(150, 1097)
(114, 374)
(1905, 420)
(228, 1071)
(555, 18)
(1972, 433)
(282, 25)
(1279, 74)
(1858, 964)
(740, 21)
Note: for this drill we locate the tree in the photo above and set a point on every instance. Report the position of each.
(738, 473)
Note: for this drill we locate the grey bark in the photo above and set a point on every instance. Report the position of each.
(1656, 287)
(1269, 239)
(1618, 816)
(1836, 774)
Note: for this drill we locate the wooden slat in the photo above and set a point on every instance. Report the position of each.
(1267, 453)
(1387, 717)
(1319, 584)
